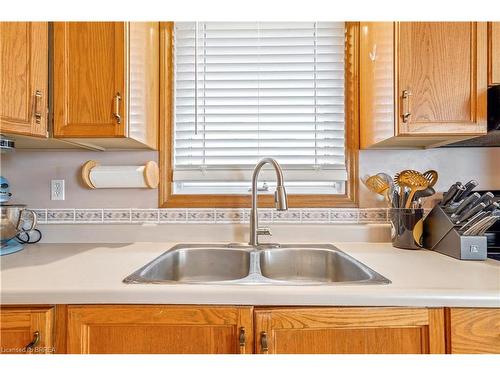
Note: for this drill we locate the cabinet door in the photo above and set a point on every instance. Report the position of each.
(89, 79)
(349, 331)
(26, 330)
(442, 77)
(376, 64)
(154, 329)
(474, 331)
(23, 78)
(494, 53)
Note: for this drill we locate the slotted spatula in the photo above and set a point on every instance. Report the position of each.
(412, 180)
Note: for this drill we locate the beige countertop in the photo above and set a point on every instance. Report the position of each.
(92, 273)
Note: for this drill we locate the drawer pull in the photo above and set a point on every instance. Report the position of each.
(406, 106)
(263, 342)
(34, 342)
(242, 340)
(38, 104)
(117, 115)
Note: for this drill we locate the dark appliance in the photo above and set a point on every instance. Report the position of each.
(493, 234)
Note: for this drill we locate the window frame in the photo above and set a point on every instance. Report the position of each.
(169, 200)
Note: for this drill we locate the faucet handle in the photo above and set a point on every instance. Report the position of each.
(264, 232)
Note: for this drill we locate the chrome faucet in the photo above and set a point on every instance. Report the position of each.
(280, 200)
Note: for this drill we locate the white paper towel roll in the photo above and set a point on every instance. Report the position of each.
(98, 176)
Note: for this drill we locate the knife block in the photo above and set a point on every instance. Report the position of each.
(441, 235)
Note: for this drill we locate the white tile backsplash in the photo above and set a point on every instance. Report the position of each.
(210, 216)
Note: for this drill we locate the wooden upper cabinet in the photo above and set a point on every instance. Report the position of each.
(23, 78)
(150, 329)
(349, 331)
(26, 330)
(89, 79)
(474, 331)
(106, 83)
(494, 53)
(422, 83)
(442, 70)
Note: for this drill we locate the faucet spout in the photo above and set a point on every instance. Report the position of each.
(280, 199)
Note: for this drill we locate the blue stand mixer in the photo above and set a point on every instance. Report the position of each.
(13, 218)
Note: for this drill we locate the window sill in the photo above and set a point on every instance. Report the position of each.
(242, 201)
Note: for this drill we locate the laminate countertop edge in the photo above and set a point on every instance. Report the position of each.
(92, 274)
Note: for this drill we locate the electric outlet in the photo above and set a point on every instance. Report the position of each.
(57, 190)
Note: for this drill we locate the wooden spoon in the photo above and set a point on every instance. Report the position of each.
(413, 180)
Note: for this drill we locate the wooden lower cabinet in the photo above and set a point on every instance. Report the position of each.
(206, 329)
(349, 330)
(473, 331)
(155, 329)
(26, 330)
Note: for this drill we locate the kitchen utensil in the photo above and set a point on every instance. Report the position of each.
(431, 176)
(474, 219)
(464, 204)
(452, 191)
(404, 198)
(424, 194)
(395, 199)
(492, 207)
(412, 180)
(466, 214)
(387, 178)
(469, 186)
(488, 225)
(461, 189)
(481, 226)
(378, 185)
(487, 198)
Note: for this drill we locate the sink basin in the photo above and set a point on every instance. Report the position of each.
(243, 264)
(192, 265)
(312, 265)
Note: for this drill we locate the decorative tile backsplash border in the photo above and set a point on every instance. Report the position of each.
(210, 216)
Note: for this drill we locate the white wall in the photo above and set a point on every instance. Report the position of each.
(452, 164)
(30, 173)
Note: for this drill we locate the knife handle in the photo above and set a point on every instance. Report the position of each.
(465, 203)
(487, 198)
(492, 207)
(459, 192)
(469, 186)
(449, 194)
(470, 213)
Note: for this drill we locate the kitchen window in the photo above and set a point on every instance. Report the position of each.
(236, 92)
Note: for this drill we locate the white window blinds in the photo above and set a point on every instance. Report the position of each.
(248, 90)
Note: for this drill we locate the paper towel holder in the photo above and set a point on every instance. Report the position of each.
(97, 176)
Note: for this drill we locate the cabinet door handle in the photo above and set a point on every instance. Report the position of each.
(38, 104)
(118, 118)
(34, 342)
(263, 343)
(242, 340)
(406, 106)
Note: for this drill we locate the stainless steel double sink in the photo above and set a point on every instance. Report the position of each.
(243, 264)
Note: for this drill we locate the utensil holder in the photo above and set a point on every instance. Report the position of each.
(441, 235)
(406, 227)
